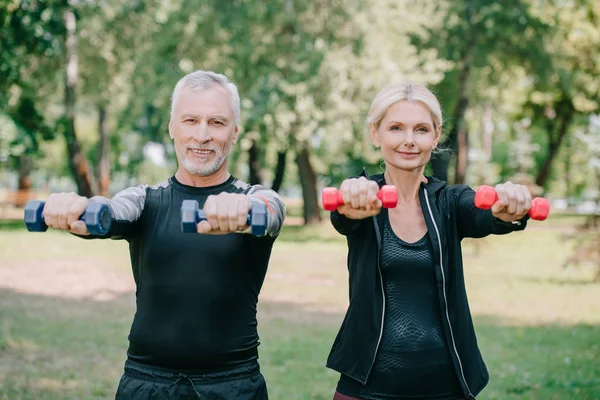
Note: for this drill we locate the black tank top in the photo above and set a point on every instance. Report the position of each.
(413, 361)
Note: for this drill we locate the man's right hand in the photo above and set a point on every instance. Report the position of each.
(360, 198)
(62, 211)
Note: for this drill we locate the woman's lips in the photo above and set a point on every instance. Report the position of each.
(407, 154)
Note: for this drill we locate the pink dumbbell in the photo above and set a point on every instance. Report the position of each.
(486, 197)
(332, 198)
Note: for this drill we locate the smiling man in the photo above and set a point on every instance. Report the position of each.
(194, 334)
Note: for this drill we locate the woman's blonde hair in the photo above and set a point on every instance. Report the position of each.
(404, 91)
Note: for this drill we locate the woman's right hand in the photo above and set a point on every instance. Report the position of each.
(360, 198)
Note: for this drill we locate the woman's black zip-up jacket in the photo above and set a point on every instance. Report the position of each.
(450, 215)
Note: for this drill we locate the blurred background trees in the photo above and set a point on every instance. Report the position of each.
(85, 89)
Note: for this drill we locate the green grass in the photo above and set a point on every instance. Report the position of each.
(66, 306)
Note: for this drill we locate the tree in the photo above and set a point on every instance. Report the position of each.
(30, 38)
(353, 72)
(571, 93)
(103, 67)
(77, 159)
(473, 36)
(587, 248)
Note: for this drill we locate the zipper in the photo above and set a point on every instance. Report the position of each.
(382, 296)
(437, 232)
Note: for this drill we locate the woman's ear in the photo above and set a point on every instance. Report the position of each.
(374, 136)
(438, 136)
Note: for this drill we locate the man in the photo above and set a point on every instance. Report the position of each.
(194, 334)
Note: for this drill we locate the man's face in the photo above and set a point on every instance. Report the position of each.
(203, 129)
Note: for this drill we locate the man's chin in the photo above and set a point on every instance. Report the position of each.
(201, 170)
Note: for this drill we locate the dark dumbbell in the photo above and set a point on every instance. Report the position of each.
(191, 215)
(97, 217)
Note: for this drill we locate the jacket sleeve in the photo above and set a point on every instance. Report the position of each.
(474, 222)
(126, 208)
(275, 208)
(344, 225)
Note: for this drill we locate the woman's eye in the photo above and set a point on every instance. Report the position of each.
(395, 128)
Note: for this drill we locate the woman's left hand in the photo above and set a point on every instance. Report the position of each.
(514, 202)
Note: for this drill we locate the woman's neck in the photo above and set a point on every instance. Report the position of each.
(407, 182)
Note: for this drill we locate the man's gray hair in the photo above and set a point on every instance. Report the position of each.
(204, 80)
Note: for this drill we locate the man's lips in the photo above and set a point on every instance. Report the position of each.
(201, 152)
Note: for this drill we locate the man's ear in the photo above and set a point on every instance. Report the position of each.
(374, 136)
(236, 134)
(171, 129)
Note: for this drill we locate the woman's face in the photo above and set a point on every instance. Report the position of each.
(406, 135)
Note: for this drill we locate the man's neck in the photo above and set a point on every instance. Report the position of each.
(185, 178)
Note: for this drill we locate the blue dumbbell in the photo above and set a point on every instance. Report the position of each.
(191, 214)
(97, 217)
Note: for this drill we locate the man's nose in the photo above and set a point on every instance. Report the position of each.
(202, 132)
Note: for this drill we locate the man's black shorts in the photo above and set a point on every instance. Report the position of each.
(144, 382)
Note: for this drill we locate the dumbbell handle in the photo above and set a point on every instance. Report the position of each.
(191, 215)
(201, 216)
(97, 217)
(332, 198)
(486, 197)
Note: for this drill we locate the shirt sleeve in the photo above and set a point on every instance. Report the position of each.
(275, 207)
(343, 224)
(126, 208)
(477, 223)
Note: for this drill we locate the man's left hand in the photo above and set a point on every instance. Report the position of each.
(225, 213)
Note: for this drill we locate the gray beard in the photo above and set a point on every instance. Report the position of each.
(205, 170)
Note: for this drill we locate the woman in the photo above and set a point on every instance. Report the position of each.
(408, 332)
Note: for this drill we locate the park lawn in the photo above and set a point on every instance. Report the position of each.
(66, 306)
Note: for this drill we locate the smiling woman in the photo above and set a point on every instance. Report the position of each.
(408, 323)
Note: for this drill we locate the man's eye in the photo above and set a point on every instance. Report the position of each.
(217, 123)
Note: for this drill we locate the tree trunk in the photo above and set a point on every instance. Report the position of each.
(567, 179)
(254, 164)
(103, 168)
(488, 130)
(441, 163)
(25, 166)
(279, 170)
(308, 180)
(78, 161)
(462, 159)
(554, 145)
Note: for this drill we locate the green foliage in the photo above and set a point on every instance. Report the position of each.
(30, 37)
(307, 72)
